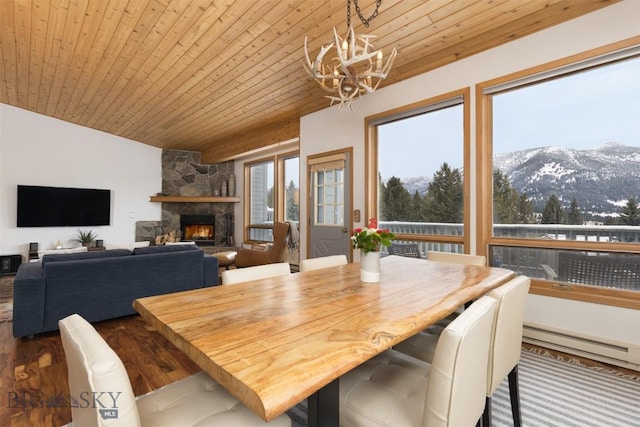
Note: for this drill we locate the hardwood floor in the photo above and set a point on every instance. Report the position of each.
(33, 371)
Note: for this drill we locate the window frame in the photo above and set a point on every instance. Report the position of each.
(484, 149)
(281, 184)
(371, 163)
(279, 192)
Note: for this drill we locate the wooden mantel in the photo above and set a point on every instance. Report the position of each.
(193, 199)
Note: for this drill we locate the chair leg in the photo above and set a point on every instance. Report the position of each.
(514, 394)
(486, 415)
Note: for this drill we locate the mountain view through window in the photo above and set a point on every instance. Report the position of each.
(566, 151)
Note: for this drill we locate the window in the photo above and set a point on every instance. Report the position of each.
(272, 192)
(565, 171)
(260, 206)
(328, 185)
(291, 167)
(419, 155)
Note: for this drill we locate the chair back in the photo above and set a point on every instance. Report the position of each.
(322, 262)
(280, 233)
(409, 250)
(458, 377)
(96, 370)
(250, 257)
(238, 275)
(456, 258)
(506, 348)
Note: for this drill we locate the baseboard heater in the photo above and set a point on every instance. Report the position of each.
(595, 348)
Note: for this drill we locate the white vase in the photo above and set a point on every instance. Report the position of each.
(231, 191)
(370, 267)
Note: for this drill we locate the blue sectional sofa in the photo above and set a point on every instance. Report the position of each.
(102, 285)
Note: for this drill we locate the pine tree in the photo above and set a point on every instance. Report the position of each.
(552, 212)
(395, 201)
(416, 209)
(444, 199)
(574, 216)
(524, 213)
(629, 213)
(293, 209)
(270, 198)
(505, 200)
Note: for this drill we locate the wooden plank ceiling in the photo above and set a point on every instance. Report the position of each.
(224, 77)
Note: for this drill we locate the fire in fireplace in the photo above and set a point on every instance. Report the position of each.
(199, 228)
(198, 232)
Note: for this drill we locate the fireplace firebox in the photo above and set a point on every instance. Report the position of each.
(198, 228)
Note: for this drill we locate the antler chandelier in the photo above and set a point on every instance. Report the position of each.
(356, 69)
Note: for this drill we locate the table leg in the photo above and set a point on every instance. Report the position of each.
(324, 406)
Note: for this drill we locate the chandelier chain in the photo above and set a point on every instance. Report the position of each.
(366, 21)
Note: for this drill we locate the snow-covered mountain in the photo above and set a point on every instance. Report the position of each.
(416, 183)
(600, 179)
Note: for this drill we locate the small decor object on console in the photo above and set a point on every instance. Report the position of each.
(369, 240)
(86, 237)
(223, 189)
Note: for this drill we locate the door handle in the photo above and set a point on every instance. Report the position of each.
(345, 230)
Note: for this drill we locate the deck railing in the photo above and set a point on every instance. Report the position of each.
(598, 233)
(534, 262)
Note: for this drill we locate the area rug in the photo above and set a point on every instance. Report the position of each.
(559, 393)
(6, 298)
(555, 392)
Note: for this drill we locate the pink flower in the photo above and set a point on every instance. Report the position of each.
(370, 239)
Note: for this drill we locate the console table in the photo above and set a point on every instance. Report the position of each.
(43, 252)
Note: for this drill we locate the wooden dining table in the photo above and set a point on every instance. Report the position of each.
(274, 342)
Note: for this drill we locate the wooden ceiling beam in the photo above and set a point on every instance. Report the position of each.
(251, 141)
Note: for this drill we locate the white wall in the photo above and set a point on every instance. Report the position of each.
(329, 129)
(39, 150)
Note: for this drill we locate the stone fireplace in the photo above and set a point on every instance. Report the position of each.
(184, 175)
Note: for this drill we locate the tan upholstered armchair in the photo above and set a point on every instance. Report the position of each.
(251, 257)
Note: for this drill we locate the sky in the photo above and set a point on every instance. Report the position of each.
(587, 111)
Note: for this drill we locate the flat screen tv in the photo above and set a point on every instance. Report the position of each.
(62, 207)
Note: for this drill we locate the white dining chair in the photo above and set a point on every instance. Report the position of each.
(455, 258)
(247, 274)
(394, 389)
(96, 372)
(505, 349)
(322, 262)
(506, 345)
